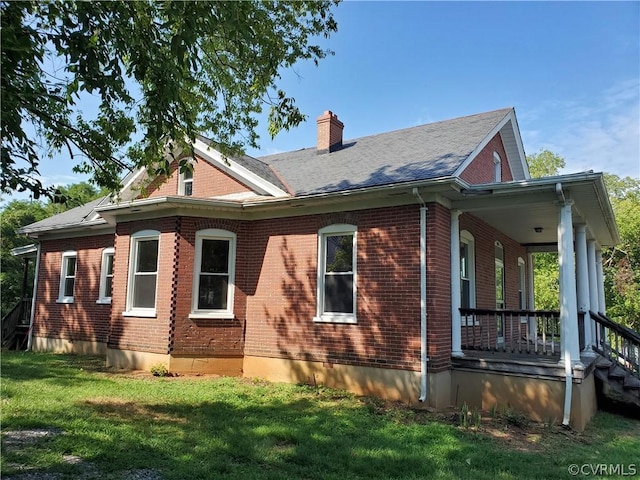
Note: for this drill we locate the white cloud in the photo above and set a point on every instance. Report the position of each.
(602, 135)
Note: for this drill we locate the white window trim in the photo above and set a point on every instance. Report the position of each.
(182, 180)
(497, 167)
(467, 238)
(214, 234)
(102, 298)
(134, 240)
(330, 317)
(522, 287)
(499, 262)
(63, 276)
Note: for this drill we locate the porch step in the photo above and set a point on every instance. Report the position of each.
(631, 383)
(617, 372)
(603, 363)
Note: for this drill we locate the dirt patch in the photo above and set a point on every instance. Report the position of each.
(14, 441)
(18, 439)
(123, 410)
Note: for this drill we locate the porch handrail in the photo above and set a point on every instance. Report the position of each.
(18, 315)
(618, 343)
(515, 331)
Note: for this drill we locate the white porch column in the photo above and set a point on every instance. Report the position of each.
(593, 285)
(568, 296)
(602, 307)
(531, 295)
(456, 323)
(582, 284)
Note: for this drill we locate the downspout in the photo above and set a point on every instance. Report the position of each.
(33, 300)
(424, 360)
(568, 370)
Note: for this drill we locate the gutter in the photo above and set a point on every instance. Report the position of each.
(33, 300)
(424, 360)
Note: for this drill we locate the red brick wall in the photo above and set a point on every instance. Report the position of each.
(84, 319)
(208, 337)
(138, 333)
(438, 287)
(480, 170)
(208, 181)
(275, 295)
(281, 291)
(485, 237)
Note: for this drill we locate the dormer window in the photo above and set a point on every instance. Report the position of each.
(185, 183)
(497, 167)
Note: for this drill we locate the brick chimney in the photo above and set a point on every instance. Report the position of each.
(329, 133)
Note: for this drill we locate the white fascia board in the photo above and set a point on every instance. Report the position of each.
(237, 171)
(494, 131)
(518, 138)
(25, 251)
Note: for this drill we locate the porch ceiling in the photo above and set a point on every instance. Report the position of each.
(528, 211)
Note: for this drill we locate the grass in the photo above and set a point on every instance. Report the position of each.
(207, 427)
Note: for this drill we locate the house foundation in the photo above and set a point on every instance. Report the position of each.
(64, 345)
(389, 384)
(541, 399)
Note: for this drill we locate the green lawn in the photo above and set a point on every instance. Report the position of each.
(110, 425)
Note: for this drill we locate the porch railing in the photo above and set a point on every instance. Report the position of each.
(514, 331)
(618, 343)
(19, 315)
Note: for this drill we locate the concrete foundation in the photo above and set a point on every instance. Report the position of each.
(540, 399)
(62, 345)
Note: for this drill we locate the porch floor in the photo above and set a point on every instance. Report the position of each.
(523, 364)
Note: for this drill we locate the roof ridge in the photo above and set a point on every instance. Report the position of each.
(398, 130)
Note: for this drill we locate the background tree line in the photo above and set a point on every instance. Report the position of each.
(621, 264)
(19, 213)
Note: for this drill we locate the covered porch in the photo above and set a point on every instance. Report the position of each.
(545, 354)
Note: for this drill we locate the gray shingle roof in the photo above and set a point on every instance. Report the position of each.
(74, 216)
(425, 152)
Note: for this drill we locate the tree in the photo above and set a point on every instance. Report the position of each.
(17, 214)
(622, 262)
(545, 164)
(168, 70)
(546, 272)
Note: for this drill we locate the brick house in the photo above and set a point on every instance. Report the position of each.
(398, 264)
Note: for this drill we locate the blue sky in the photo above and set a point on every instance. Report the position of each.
(570, 69)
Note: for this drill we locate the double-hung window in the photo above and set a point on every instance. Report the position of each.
(143, 273)
(500, 294)
(337, 274)
(185, 182)
(213, 280)
(467, 275)
(106, 276)
(67, 276)
(497, 167)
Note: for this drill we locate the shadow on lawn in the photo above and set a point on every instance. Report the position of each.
(291, 439)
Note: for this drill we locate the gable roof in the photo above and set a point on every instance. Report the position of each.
(257, 167)
(84, 215)
(431, 151)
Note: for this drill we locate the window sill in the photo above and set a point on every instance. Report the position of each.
(103, 301)
(65, 300)
(336, 318)
(212, 315)
(151, 313)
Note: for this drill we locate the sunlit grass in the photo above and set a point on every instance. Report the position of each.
(198, 428)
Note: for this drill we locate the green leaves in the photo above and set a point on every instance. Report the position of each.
(167, 70)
